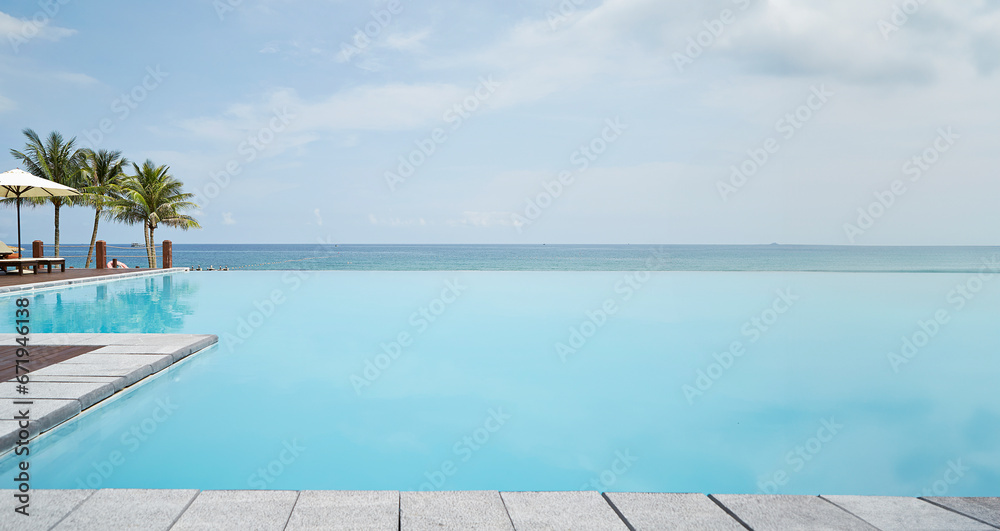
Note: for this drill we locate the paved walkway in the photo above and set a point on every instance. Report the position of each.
(579, 511)
(60, 391)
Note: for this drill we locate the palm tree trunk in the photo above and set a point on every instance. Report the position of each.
(93, 238)
(152, 249)
(57, 227)
(145, 234)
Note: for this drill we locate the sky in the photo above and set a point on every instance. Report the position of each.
(857, 122)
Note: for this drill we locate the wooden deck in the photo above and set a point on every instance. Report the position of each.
(13, 279)
(39, 357)
(418, 511)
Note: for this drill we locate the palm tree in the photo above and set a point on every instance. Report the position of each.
(103, 173)
(56, 160)
(151, 197)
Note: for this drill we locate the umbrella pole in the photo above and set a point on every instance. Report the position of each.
(19, 226)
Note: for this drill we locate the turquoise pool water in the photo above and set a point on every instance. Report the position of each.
(707, 382)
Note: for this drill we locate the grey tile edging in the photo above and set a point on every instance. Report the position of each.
(311, 509)
(104, 278)
(153, 354)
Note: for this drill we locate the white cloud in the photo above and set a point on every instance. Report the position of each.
(396, 107)
(6, 104)
(319, 218)
(25, 72)
(227, 218)
(15, 29)
(407, 42)
(395, 221)
(632, 41)
(483, 219)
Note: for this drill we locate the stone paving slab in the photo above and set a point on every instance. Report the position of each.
(458, 510)
(345, 510)
(87, 393)
(679, 512)
(177, 353)
(309, 510)
(983, 509)
(136, 349)
(128, 509)
(44, 415)
(783, 512)
(131, 373)
(579, 511)
(39, 339)
(45, 509)
(891, 513)
(106, 339)
(156, 362)
(117, 382)
(238, 510)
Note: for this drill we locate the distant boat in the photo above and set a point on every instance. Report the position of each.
(135, 244)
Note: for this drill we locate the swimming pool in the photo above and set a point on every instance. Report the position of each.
(796, 383)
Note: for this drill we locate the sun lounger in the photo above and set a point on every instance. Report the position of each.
(49, 262)
(21, 264)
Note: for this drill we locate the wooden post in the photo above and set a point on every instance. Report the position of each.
(114, 263)
(37, 249)
(102, 254)
(168, 254)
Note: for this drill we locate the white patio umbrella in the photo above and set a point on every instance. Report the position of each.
(18, 183)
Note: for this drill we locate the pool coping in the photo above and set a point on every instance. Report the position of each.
(66, 389)
(88, 280)
(581, 510)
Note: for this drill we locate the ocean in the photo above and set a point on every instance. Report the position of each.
(347, 257)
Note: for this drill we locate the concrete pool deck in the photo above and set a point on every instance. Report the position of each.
(63, 390)
(417, 511)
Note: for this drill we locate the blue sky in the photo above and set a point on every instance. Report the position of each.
(526, 121)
